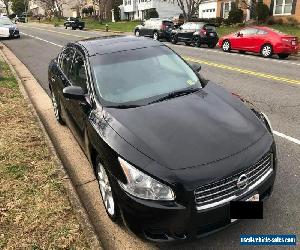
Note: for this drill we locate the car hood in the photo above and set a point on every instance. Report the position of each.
(12, 26)
(189, 131)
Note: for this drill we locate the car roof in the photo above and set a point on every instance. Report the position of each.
(115, 43)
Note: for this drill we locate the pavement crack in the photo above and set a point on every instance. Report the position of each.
(84, 183)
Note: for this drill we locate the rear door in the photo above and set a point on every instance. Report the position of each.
(183, 30)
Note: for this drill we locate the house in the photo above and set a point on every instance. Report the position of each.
(208, 9)
(278, 8)
(136, 9)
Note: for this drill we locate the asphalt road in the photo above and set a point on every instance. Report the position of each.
(273, 85)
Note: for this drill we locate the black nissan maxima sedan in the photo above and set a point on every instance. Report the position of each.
(170, 150)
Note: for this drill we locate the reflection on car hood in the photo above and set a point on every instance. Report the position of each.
(12, 26)
(191, 130)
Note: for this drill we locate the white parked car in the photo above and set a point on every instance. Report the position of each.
(8, 28)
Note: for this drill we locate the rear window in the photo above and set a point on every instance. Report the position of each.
(210, 27)
(168, 23)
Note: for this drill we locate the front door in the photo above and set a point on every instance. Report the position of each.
(79, 110)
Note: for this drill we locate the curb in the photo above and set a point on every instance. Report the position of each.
(73, 197)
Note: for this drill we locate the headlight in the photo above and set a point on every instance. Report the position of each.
(143, 186)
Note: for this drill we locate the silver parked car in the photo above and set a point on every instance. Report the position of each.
(8, 28)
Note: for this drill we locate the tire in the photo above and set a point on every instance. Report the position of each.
(66, 27)
(283, 56)
(266, 50)
(155, 36)
(73, 28)
(106, 192)
(212, 45)
(56, 108)
(174, 39)
(187, 43)
(137, 33)
(226, 47)
(196, 42)
(81, 28)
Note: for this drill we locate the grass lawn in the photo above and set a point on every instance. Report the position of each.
(35, 212)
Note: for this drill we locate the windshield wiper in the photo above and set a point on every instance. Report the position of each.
(123, 106)
(175, 94)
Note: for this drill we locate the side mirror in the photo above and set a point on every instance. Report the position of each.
(239, 34)
(74, 93)
(195, 66)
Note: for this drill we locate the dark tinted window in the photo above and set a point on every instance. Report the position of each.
(210, 27)
(167, 23)
(78, 74)
(66, 60)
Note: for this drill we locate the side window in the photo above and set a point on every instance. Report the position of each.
(66, 60)
(78, 75)
(186, 26)
(262, 32)
(248, 32)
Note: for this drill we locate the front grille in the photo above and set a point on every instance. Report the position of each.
(13, 32)
(224, 190)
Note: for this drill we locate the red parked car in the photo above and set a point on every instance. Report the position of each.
(263, 40)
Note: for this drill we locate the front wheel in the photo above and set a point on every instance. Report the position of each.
(137, 33)
(187, 43)
(266, 50)
(81, 28)
(66, 27)
(174, 39)
(226, 46)
(212, 46)
(106, 191)
(283, 56)
(155, 36)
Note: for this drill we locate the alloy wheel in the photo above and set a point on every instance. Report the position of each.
(105, 189)
(226, 46)
(137, 33)
(55, 107)
(155, 36)
(266, 51)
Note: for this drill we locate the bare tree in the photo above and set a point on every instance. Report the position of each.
(189, 8)
(6, 3)
(54, 7)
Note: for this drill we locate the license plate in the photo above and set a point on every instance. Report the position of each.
(250, 199)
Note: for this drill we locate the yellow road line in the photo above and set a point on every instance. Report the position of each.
(243, 71)
(58, 32)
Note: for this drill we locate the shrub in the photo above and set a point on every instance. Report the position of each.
(278, 21)
(215, 21)
(117, 14)
(236, 15)
(151, 13)
(56, 24)
(271, 21)
(291, 21)
(262, 12)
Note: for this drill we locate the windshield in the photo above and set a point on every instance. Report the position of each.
(5, 21)
(140, 76)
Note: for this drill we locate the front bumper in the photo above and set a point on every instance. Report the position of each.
(170, 221)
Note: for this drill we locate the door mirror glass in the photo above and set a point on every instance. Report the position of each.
(195, 66)
(74, 93)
